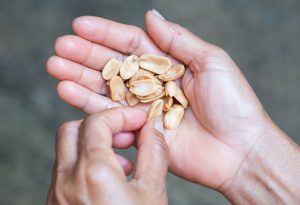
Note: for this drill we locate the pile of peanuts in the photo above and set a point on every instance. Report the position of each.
(145, 79)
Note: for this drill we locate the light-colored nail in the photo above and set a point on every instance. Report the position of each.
(158, 124)
(156, 13)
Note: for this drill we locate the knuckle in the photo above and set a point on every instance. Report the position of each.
(97, 172)
(135, 40)
(217, 52)
(95, 119)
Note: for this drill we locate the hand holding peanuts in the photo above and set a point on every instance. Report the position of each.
(224, 119)
(145, 86)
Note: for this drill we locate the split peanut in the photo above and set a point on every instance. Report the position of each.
(149, 78)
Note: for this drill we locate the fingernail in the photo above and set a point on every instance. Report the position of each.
(156, 13)
(158, 124)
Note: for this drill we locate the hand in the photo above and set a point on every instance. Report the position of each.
(225, 120)
(87, 171)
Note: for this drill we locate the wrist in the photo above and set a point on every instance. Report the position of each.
(270, 174)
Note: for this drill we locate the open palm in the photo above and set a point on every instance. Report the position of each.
(224, 119)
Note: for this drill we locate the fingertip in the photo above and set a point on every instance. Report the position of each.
(82, 24)
(66, 90)
(148, 14)
(50, 65)
(153, 13)
(56, 67)
(65, 45)
(86, 26)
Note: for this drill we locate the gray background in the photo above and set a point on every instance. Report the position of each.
(262, 37)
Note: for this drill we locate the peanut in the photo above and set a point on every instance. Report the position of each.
(149, 98)
(131, 99)
(143, 87)
(111, 69)
(142, 74)
(175, 72)
(180, 97)
(129, 67)
(117, 88)
(171, 88)
(154, 63)
(155, 109)
(168, 102)
(173, 117)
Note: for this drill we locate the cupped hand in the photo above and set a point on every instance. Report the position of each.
(87, 171)
(225, 119)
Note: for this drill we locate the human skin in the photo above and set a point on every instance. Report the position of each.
(226, 140)
(87, 171)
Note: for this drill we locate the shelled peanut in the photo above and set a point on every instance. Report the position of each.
(145, 79)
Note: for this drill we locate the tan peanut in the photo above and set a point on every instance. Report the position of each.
(129, 67)
(155, 109)
(117, 88)
(143, 87)
(142, 74)
(131, 99)
(171, 88)
(168, 102)
(173, 117)
(111, 69)
(180, 97)
(175, 72)
(149, 98)
(154, 63)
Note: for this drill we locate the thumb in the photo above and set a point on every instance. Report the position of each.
(153, 154)
(180, 43)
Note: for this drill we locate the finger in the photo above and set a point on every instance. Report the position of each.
(82, 98)
(95, 143)
(126, 39)
(123, 140)
(125, 163)
(84, 52)
(152, 159)
(97, 130)
(63, 69)
(181, 43)
(66, 145)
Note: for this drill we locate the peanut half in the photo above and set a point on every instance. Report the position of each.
(149, 98)
(155, 109)
(154, 63)
(173, 117)
(149, 78)
(111, 69)
(171, 88)
(175, 72)
(131, 99)
(180, 97)
(117, 88)
(142, 74)
(143, 87)
(168, 102)
(129, 67)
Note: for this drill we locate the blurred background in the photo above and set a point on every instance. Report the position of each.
(262, 36)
